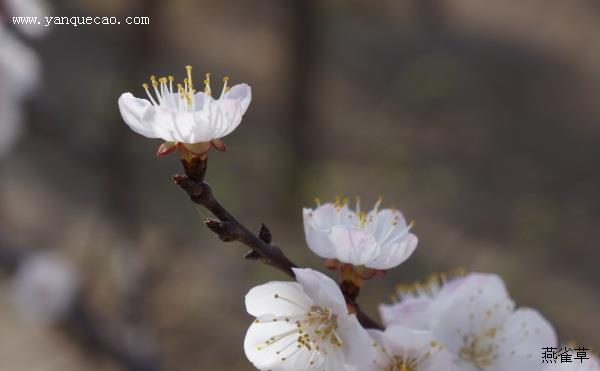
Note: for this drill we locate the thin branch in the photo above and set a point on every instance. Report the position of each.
(230, 229)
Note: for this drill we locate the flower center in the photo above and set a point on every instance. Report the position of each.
(479, 349)
(314, 331)
(164, 94)
(402, 364)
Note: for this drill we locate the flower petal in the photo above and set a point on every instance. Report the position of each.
(277, 298)
(322, 290)
(410, 312)
(394, 254)
(132, 110)
(526, 333)
(353, 245)
(356, 343)
(469, 305)
(276, 355)
(316, 239)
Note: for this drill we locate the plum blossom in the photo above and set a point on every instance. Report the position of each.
(400, 349)
(474, 319)
(304, 325)
(378, 239)
(183, 118)
(44, 288)
(591, 364)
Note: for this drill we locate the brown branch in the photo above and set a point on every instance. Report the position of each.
(230, 229)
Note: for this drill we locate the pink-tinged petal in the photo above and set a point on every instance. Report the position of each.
(322, 290)
(410, 312)
(353, 245)
(522, 339)
(277, 298)
(241, 93)
(471, 305)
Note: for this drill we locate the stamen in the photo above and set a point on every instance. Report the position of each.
(207, 90)
(145, 86)
(225, 79)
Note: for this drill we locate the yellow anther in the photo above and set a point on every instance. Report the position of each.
(163, 80)
(225, 78)
(171, 78)
(318, 201)
(145, 86)
(189, 74)
(152, 77)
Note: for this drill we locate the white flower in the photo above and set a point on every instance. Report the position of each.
(304, 326)
(379, 239)
(402, 349)
(475, 320)
(44, 288)
(591, 364)
(183, 118)
(20, 74)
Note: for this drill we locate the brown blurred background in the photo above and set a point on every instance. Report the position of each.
(479, 120)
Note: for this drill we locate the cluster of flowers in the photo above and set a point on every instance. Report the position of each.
(457, 322)
(450, 322)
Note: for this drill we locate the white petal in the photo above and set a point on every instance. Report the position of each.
(393, 255)
(277, 298)
(356, 343)
(132, 110)
(410, 312)
(224, 114)
(526, 333)
(469, 305)
(270, 357)
(322, 290)
(353, 245)
(316, 238)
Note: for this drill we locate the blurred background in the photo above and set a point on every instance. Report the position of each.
(479, 120)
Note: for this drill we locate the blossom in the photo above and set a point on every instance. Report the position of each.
(185, 119)
(304, 325)
(474, 319)
(591, 364)
(44, 288)
(414, 302)
(400, 349)
(379, 239)
(20, 75)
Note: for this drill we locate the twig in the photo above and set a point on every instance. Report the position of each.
(229, 229)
